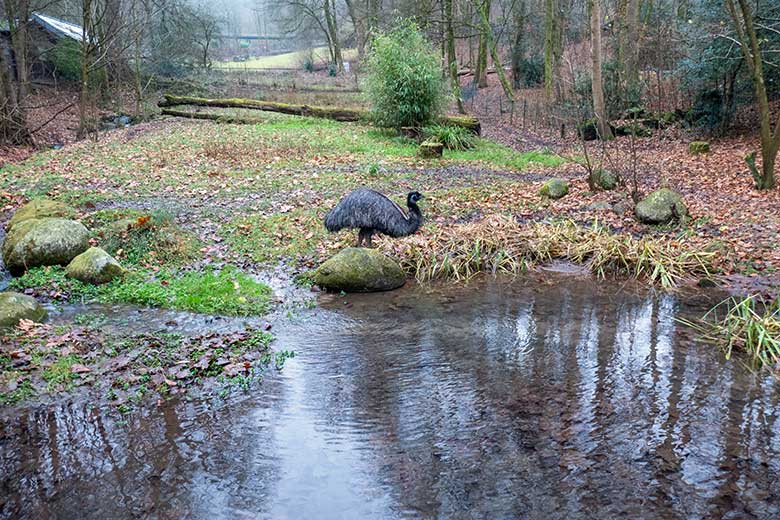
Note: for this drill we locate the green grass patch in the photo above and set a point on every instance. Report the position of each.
(294, 235)
(288, 60)
(59, 373)
(227, 292)
(136, 237)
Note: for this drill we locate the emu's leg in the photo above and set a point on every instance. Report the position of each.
(369, 234)
(361, 237)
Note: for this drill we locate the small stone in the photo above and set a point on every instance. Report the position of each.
(15, 307)
(554, 189)
(94, 266)
(662, 207)
(699, 147)
(430, 150)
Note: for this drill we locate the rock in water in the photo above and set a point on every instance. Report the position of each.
(94, 266)
(15, 307)
(41, 208)
(661, 207)
(554, 189)
(45, 241)
(357, 269)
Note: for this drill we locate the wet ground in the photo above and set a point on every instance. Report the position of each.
(553, 397)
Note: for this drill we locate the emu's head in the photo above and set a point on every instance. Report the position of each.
(414, 197)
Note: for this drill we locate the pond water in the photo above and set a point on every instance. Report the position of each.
(554, 397)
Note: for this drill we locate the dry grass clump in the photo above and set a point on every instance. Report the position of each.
(500, 244)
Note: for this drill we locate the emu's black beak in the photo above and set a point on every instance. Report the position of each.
(422, 196)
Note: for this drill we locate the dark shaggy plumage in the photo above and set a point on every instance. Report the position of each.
(371, 212)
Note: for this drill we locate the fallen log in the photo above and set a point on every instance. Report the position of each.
(338, 114)
(335, 113)
(221, 118)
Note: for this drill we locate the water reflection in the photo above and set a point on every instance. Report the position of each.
(560, 399)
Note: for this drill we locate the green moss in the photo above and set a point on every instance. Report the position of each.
(227, 292)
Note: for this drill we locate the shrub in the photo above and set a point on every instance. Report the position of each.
(405, 85)
(452, 137)
(65, 58)
(532, 71)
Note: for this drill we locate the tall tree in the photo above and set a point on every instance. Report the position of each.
(742, 16)
(597, 84)
(452, 59)
(549, 42)
(14, 75)
(518, 46)
(481, 73)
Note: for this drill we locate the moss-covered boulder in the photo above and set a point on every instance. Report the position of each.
(430, 149)
(41, 208)
(94, 266)
(662, 207)
(15, 307)
(554, 189)
(45, 241)
(605, 179)
(699, 147)
(357, 269)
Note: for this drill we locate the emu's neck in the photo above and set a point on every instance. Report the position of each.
(415, 217)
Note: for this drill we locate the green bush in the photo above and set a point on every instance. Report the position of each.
(405, 85)
(532, 71)
(65, 59)
(452, 137)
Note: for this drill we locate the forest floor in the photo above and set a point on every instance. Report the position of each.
(242, 200)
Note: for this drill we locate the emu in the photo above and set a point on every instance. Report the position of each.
(371, 212)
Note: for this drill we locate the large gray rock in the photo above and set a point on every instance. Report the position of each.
(357, 269)
(15, 307)
(41, 208)
(554, 189)
(45, 241)
(94, 266)
(662, 207)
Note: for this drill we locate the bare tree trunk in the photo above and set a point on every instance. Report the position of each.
(13, 121)
(517, 48)
(452, 61)
(491, 42)
(85, 97)
(359, 25)
(330, 20)
(374, 7)
(770, 138)
(549, 41)
(481, 72)
(597, 85)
